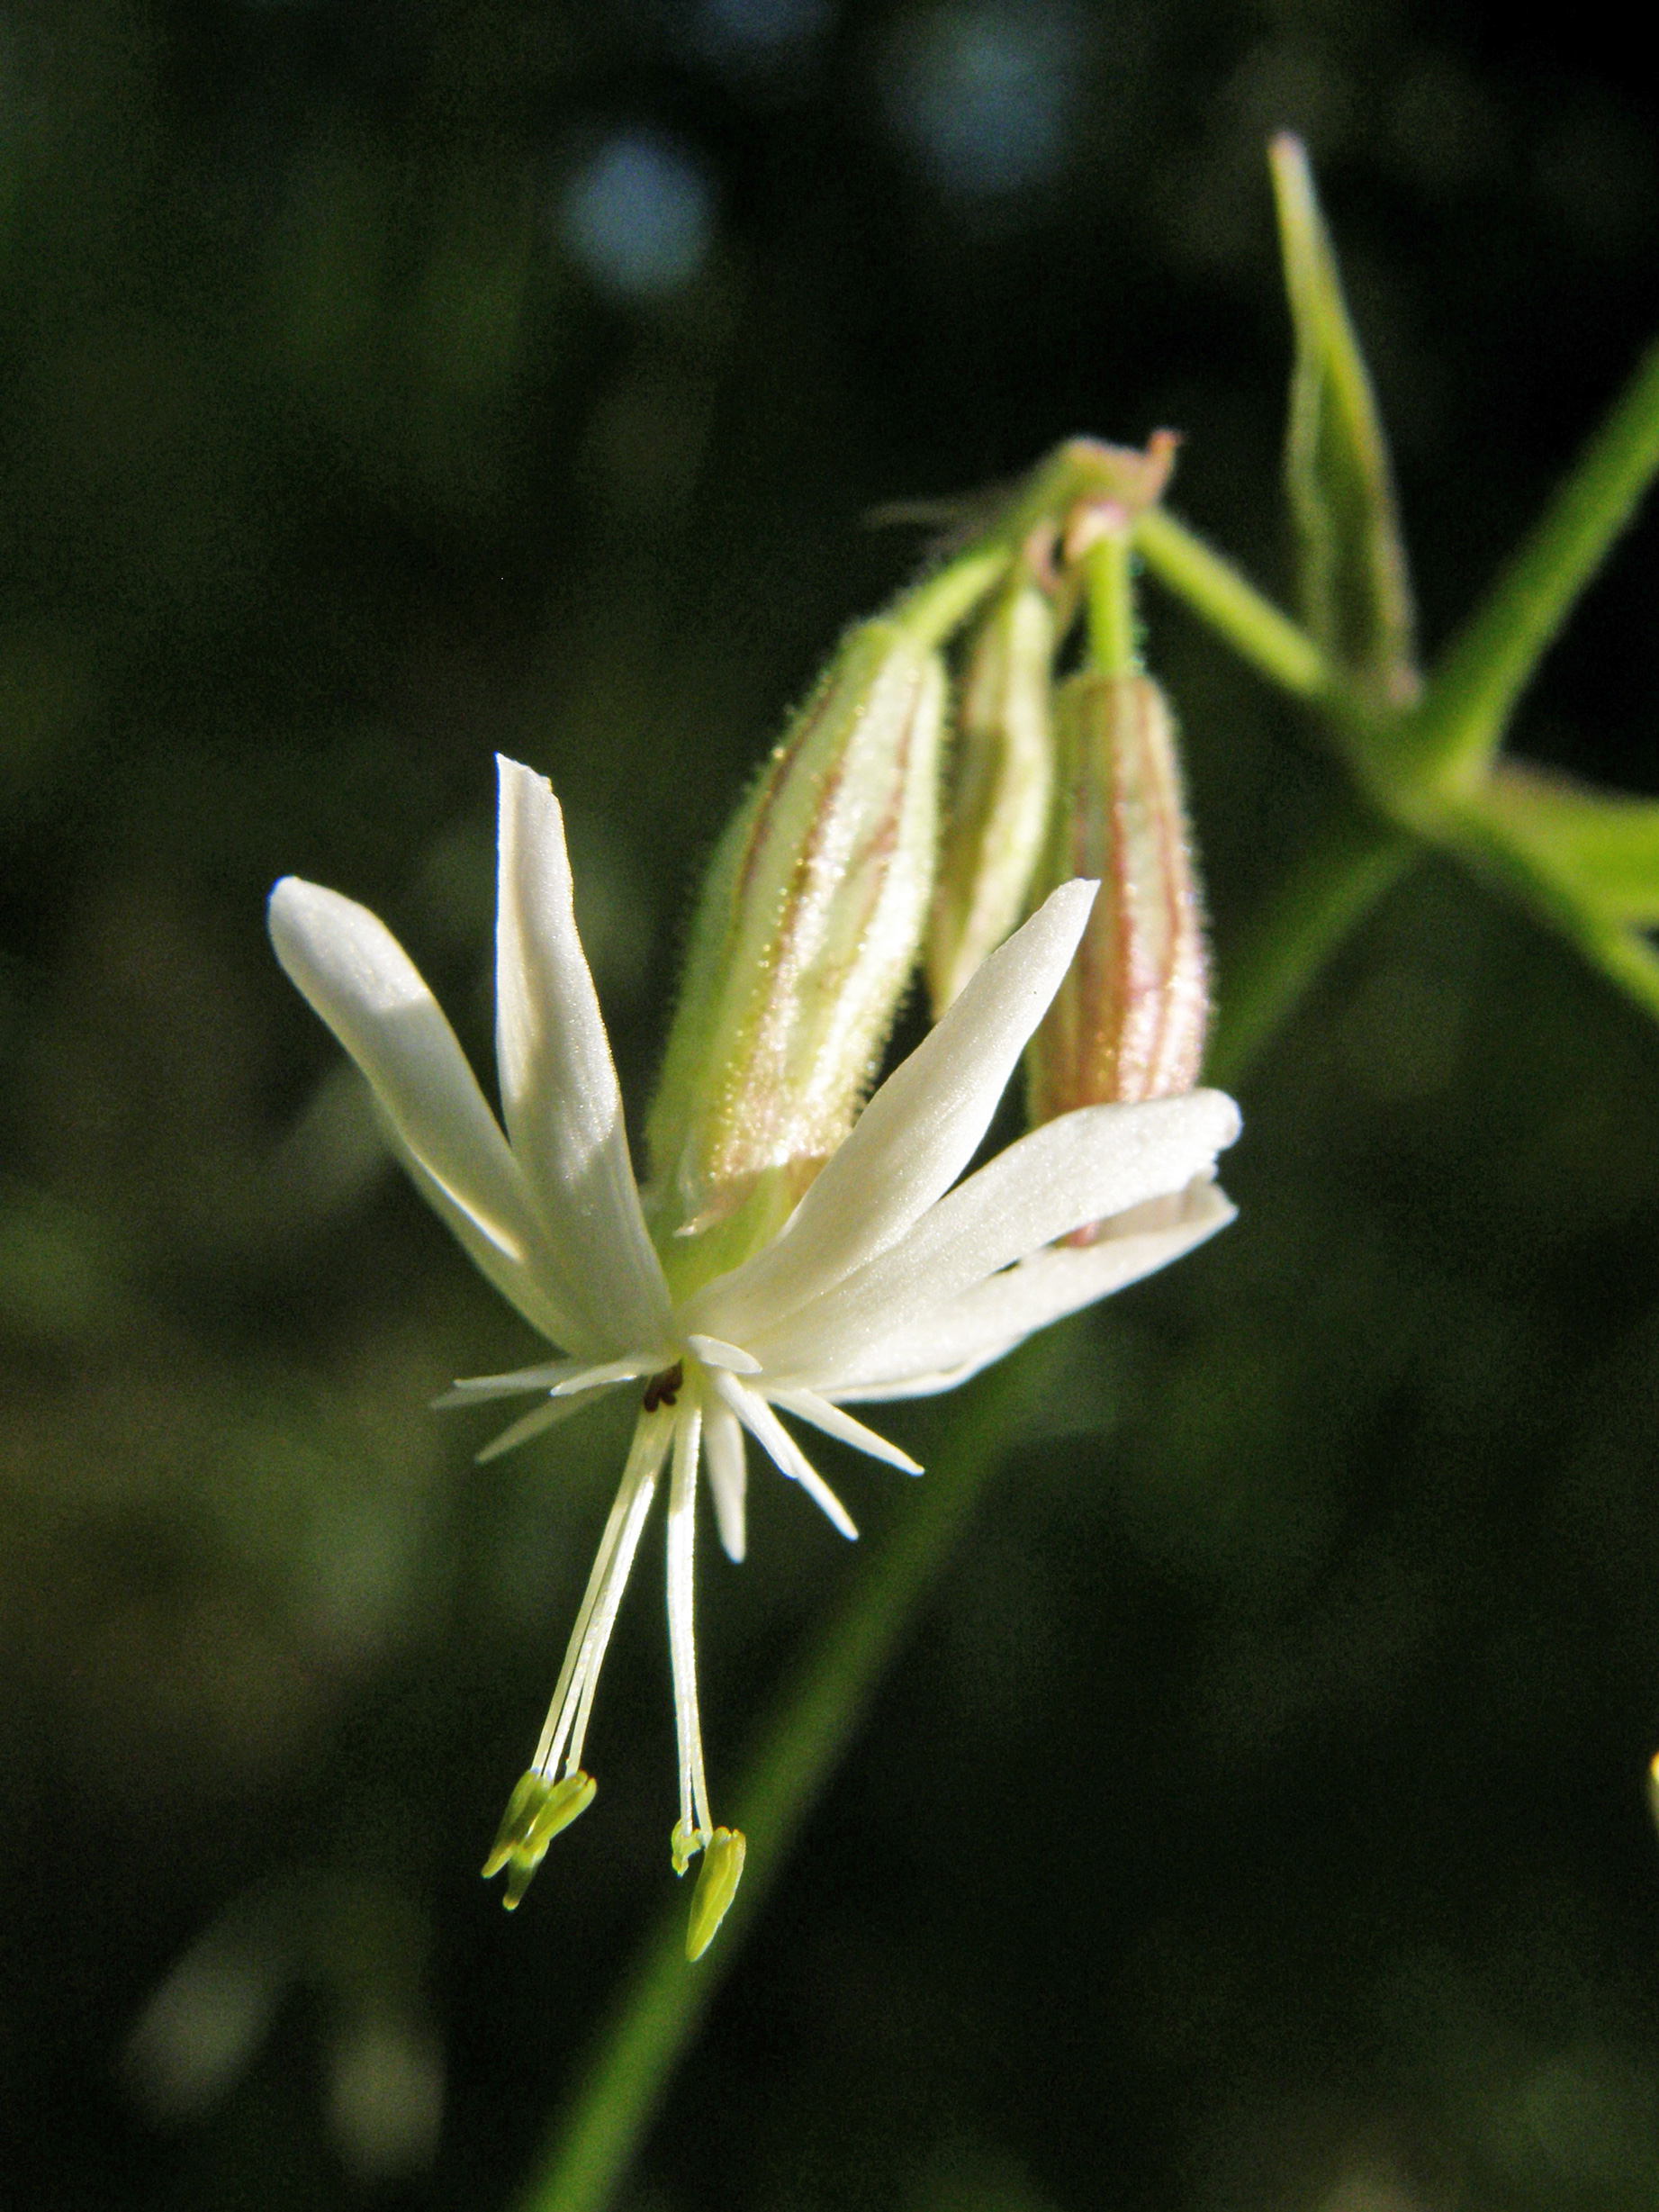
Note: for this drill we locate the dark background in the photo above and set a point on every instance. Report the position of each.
(1256, 1816)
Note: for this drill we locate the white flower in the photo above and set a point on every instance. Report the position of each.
(886, 1282)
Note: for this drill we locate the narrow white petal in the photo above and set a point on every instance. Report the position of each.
(533, 1424)
(770, 1433)
(969, 1331)
(723, 1443)
(929, 1384)
(531, 1290)
(916, 1134)
(1094, 1165)
(559, 1093)
(475, 1389)
(601, 1375)
(359, 977)
(713, 1353)
(834, 1423)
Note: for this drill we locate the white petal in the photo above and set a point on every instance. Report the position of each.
(713, 1353)
(359, 977)
(980, 1325)
(770, 1433)
(559, 1093)
(934, 1380)
(916, 1134)
(528, 1289)
(560, 1378)
(1088, 1166)
(834, 1423)
(722, 1446)
(531, 1424)
(475, 1389)
(609, 1371)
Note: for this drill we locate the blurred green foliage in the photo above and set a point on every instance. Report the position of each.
(1257, 1817)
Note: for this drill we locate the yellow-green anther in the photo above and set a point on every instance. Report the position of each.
(536, 1813)
(809, 927)
(1001, 781)
(684, 1844)
(1356, 588)
(716, 1886)
(1128, 1022)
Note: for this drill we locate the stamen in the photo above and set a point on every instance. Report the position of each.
(538, 1812)
(695, 1826)
(716, 1886)
(572, 1699)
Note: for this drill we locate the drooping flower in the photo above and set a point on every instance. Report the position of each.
(891, 1278)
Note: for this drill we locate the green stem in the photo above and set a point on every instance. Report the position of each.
(1079, 471)
(1216, 590)
(1461, 718)
(1109, 584)
(814, 1720)
(932, 611)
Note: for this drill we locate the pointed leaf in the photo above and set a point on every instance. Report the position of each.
(1607, 842)
(1356, 589)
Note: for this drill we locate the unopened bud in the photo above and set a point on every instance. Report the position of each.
(716, 1886)
(810, 924)
(1001, 782)
(536, 1813)
(1128, 1022)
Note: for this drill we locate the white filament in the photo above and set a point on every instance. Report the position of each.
(694, 1815)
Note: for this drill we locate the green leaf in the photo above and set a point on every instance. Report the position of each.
(1606, 846)
(1587, 868)
(1356, 589)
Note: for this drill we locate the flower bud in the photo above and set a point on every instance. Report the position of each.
(1001, 782)
(810, 923)
(1128, 1022)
